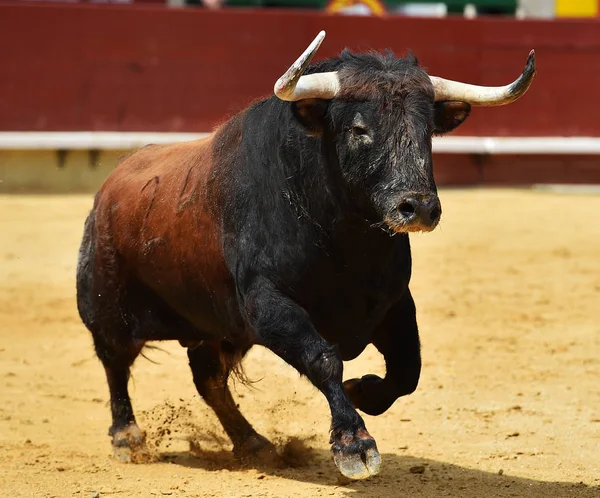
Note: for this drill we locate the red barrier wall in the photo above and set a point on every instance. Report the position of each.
(515, 169)
(130, 68)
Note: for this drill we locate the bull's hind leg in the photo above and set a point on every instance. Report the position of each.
(128, 441)
(117, 351)
(211, 363)
(99, 301)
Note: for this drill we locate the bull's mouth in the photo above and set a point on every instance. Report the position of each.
(402, 226)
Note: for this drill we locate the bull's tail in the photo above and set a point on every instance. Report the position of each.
(85, 270)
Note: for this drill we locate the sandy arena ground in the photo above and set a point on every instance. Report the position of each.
(508, 296)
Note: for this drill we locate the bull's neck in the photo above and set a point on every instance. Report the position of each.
(309, 175)
(278, 166)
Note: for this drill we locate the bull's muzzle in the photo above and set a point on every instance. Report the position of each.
(416, 212)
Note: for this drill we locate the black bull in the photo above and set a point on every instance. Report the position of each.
(287, 227)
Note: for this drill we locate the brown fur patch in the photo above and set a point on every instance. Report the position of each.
(158, 210)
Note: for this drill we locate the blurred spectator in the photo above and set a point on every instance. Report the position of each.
(213, 4)
(208, 4)
(356, 7)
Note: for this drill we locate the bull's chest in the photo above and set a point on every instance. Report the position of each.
(348, 296)
(349, 322)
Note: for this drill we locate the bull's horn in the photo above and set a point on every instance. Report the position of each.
(292, 86)
(485, 95)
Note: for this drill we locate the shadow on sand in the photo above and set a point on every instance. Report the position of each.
(401, 476)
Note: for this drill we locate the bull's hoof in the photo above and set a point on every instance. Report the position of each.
(356, 456)
(129, 445)
(368, 394)
(257, 450)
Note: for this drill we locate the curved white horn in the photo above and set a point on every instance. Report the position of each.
(292, 86)
(485, 95)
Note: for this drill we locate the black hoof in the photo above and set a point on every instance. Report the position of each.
(356, 456)
(257, 450)
(129, 444)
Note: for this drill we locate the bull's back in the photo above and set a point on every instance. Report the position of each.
(158, 210)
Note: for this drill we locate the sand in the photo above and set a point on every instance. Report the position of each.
(508, 298)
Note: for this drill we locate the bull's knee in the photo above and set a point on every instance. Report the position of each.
(408, 385)
(325, 366)
(407, 379)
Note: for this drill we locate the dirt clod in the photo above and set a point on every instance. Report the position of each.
(417, 469)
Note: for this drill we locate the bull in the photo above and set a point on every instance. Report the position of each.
(287, 227)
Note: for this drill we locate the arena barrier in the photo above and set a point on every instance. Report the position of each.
(74, 162)
(177, 73)
(146, 68)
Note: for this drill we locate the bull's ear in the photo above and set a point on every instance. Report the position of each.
(311, 114)
(449, 115)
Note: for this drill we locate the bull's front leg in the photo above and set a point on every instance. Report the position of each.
(285, 328)
(397, 339)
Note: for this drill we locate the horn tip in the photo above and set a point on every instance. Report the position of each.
(320, 37)
(316, 43)
(530, 66)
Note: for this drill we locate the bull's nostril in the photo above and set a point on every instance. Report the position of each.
(406, 209)
(435, 214)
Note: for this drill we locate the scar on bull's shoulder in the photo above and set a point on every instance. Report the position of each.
(188, 194)
(150, 184)
(149, 245)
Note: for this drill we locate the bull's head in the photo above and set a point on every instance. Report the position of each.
(378, 115)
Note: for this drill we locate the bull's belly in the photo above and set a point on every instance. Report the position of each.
(208, 318)
(343, 312)
(196, 315)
